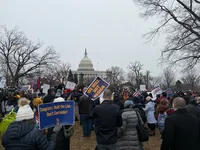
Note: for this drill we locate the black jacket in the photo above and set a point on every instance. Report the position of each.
(181, 131)
(48, 99)
(107, 117)
(84, 104)
(119, 103)
(139, 108)
(194, 109)
(24, 136)
(62, 143)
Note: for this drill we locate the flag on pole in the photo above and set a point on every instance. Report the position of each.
(136, 94)
(39, 83)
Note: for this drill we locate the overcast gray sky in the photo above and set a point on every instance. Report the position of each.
(111, 30)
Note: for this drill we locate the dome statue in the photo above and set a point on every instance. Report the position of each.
(86, 64)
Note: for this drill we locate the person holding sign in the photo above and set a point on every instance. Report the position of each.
(22, 133)
(63, 138)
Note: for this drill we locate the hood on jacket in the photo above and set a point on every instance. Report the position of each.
(19, 129)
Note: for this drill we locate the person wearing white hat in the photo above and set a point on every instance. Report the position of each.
(22, 133)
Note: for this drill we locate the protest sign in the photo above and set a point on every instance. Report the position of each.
(142, 87)
(45, 88)
(96, 88)
(25, 88)
(51, 112)
(155, 92)
(70, 85)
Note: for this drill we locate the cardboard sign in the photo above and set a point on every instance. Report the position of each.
(96, 88)
(45, 87)
(50, 113)
(70, 85)
(142, 87)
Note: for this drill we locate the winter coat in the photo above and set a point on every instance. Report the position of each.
(150, 110)
(62, 143)
(49, 98)
(194, 109)
(84, 105)
(24, 136)
(129, 139)
(119, 103)
(139, 108)
(107, 117)
(181, 131)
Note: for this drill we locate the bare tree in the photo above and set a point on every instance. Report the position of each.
(192, 78)
(136, 69)
(168, 77)
(147, 78)
(115, 74)
(20, 55)
(180, 22)
(131, 77)
(156, 81)
(61, 71)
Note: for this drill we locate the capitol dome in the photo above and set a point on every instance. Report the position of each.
(86, 64)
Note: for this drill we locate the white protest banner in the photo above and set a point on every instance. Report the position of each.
(25, 87)
(142, 87)
(45, 88)
(156, 92)
(70, 85)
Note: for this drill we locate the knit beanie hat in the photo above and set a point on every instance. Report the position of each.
(59, 99)
(128, 104)
(58, 93)
(24, 112)
(148, 98)
(37, 101)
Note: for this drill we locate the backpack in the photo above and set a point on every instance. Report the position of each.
(161, 121)
(7, 120)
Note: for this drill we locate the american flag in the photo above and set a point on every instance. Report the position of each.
(136, 94)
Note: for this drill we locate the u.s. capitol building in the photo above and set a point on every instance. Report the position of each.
(86, 68)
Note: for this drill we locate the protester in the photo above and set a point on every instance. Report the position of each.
(84, 111)
(138, 107)
(36, 102)
(181, 129)
(118, 101)
(193, 108)
(150, 110)
(162, 113)
(107, 117)
(23, 135)
(163, 96)
(128, 136)
(64, 135)
(50, 97)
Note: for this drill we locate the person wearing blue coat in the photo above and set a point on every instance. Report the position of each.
(150, 110)
(22, 133)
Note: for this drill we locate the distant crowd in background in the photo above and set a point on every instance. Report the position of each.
(122, 120)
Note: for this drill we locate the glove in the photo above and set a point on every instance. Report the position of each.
(58, 127)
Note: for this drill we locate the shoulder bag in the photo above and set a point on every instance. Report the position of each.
(143, 133)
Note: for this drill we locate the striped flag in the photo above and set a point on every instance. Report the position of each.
(136, 94)
(156, 91)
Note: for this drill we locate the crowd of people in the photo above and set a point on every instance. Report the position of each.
(115, 118)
